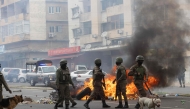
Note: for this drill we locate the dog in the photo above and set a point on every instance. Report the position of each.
(12, 102)
(149, 102)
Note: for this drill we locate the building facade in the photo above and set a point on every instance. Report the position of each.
(29, 28)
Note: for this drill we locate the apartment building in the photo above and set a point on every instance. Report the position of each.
(99, 25)
(29, 28)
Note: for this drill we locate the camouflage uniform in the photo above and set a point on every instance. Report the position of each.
(97, 84)
(121, 79)
(98, 76)
(3, 82)
(70, 99)
(63, 79)
(139, 78)
(139, 73)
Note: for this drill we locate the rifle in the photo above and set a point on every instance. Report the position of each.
(116, 94)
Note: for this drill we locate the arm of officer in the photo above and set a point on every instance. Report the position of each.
(132, 71)
(123, 73)
(4, 83)
(57, 78)
(146, 74)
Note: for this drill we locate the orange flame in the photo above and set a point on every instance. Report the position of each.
(111, 88)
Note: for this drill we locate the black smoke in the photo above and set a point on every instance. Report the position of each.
(160, 29)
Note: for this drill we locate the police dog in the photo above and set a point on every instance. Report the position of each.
(149, 102)
(12, 102)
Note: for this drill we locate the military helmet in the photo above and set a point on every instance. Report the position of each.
(119, 59)
(139, 58)
(97, 61)
(63, 61)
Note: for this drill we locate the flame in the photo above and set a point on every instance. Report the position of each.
(111, 88)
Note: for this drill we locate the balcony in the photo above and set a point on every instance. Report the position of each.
(85, 17)
(119, 9)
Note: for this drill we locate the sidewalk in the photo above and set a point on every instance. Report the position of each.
(174, 89)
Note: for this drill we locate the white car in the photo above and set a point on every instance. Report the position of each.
(5, 71)
(74, 74)
(85, 76)
(22, 75)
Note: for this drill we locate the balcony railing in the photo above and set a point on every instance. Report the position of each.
(115, 10)
(85, 17)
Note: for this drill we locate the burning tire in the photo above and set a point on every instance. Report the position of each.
(86, 91)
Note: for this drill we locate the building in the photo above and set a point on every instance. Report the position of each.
(29, 28)
(100, 28)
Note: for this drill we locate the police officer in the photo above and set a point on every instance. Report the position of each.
(63, 79)
(121, 83)
(3, 82)
(98, 76)
(140, 76)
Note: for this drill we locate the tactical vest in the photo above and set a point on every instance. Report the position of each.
(119, 73)
(64, 76)
(141, 70)
(97, 76)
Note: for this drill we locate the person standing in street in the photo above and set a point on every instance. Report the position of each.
(98, 76)
(121, 79)
(3, 82)
(181, 76)
(138, 71)
(63, 79)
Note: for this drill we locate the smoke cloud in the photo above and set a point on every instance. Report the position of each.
(161, 28)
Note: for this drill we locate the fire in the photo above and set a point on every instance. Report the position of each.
(111, 88)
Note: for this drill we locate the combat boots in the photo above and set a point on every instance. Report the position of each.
(104, 105)
(86, 104)
(120, 105)
(126, 105)
(66, 106)
(73, 104)
(137, 106)
(56, 105)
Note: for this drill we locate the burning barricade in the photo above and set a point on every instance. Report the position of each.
(110, 92)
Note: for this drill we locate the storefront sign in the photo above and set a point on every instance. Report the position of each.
(62, 51)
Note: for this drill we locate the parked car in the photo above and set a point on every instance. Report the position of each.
(22, 75)
(13, 75)
(5, 71)
(74, 74)
(85, 76)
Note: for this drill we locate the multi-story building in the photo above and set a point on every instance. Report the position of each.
(100, 26)
(29, 28)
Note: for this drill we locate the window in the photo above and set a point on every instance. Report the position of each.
(77, 32)
(90, 73)
(51, 10)
(40, 69)
(75, 12)
(110, 3)
(114, 22)
(58, 10)
(11, 29)
(59, 29)
(19, 27)
(4, 31)
(87, 28)
(51, 29)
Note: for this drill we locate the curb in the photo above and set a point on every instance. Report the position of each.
(42, 88)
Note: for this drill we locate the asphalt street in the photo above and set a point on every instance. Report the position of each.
(39, 91)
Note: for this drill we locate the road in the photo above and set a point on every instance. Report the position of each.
(38, 92)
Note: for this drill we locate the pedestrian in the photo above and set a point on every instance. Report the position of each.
(138, 71)
(181, 75)
(98, 76)
(121, 80)
(3, 82)
(63, 79)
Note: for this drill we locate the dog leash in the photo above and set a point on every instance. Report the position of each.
(148, 88)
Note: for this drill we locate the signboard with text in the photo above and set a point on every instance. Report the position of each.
(62, 51)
